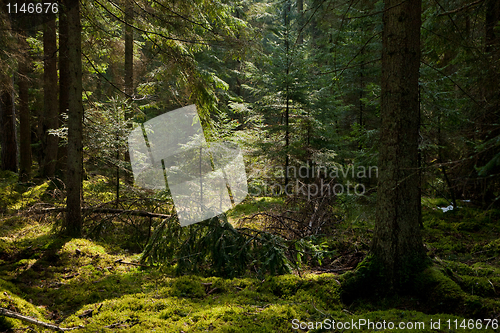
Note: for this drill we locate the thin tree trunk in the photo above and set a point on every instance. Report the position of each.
(8, 142)
(63, 82)
(397, 245)
(287, 95)
(24, 112)
(361, 96)
(129, 48)
(50, 112)
(300, 12)
(73, 223)
(129, 77)
(443, 167)
(492, 19)
(8, 124)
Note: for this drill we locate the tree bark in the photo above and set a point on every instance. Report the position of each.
(300, 13)
(73, 223)
(50, 142)
(63, 81)
(8, 144)
(24, 112)
(129, 78)
(129, 48)
(287, 95)
(8, 123)
(492, 19)
(8, 140)
(397, 245)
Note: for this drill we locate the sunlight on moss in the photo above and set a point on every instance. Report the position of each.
(252, 205)
(99, 189)
(10, 299)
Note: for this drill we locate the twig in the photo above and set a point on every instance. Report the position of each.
(211, 291)
(333, 270)
(378, 12)
(461, 8)
(104, 211)
(12, 314)
(315, 308)
(278, 217)
(115, 324)
(120, 261)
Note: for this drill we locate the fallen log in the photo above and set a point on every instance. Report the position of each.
(31, 320)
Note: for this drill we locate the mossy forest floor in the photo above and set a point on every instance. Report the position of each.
(59, 280)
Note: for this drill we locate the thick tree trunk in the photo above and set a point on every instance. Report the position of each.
(397, 245)
(24, 112)
(8, 123)
(73, 224)
(50, 110)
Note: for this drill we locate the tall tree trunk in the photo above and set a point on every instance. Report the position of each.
(300, 12)
(24, 112)
(73, 223)
(8, 155)
(50, 109)
(129, 48)
(492, 19)
(287, 92)
(129, 80)
(62, 155)
(397, 245)
(8, 123)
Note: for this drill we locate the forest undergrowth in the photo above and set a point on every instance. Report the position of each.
(107, 282)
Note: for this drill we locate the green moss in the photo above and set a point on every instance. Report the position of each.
(188, 286)
(99, 188)
(446, 291)
(254, 205)
(492, 248)
(440, 293)
(10, 299)
(282, 286)
(434, 202)
(32, 195)
(51, 277)
(471, 225)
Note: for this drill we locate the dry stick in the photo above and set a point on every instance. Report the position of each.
(211, 291)
(334, 270)
(105, 211)
(461, 8)
(120, 261)
(12, 314)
